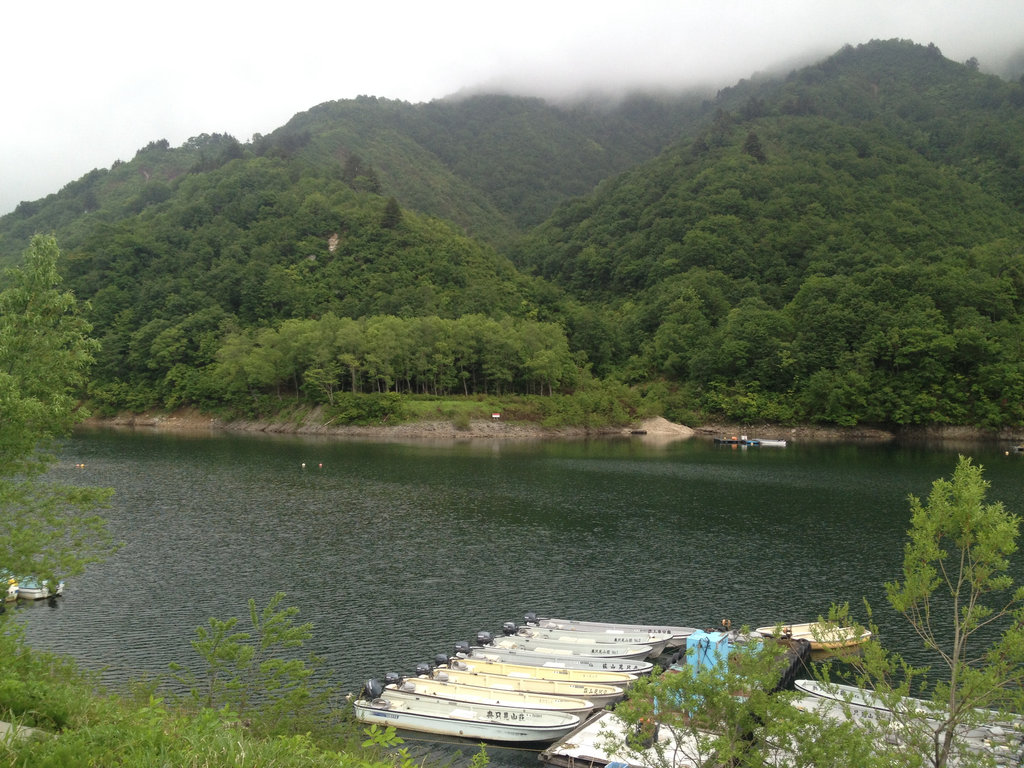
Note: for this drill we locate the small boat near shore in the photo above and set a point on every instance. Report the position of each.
(677, 639)
(466, 720)
(599, 694)
(550, 671)
(821, 635)
(476, 694)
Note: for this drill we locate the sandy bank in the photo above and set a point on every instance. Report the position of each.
(655, 429)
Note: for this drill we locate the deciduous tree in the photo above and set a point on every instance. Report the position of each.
(47, 530)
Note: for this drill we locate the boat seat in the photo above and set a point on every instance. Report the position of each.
(380, 704)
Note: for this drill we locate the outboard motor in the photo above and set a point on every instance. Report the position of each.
(484, 638)
(462, 647)
(509, 628)
(423, 669)
(530, 618)
(392, 678)
(373, 688)
(440, 660)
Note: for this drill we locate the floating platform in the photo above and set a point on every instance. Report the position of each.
(584, 747)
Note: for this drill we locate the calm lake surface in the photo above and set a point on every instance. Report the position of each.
(395, 550)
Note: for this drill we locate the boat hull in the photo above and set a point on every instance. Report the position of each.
(611, 651)
(657, 641)
(600, 695)
(822, 637)
(539, 659)
(495, 724)
(677, 639)
(542, 672)
(33, 590)
(446, 690)
(988, 732)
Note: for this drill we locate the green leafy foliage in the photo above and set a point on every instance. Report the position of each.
(47, 530)
(252, 675)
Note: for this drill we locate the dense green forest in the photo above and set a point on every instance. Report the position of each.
(844, 245)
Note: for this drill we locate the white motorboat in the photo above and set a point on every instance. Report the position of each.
(599, 694)
(541, 671)
(33, 589)
(547, 659)
(466, 720)
(679, 634)
(587, 650)
(476, 694)
(657, 640)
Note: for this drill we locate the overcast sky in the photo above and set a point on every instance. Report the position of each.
(88, 83)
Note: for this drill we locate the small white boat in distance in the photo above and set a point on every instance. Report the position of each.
(475, 694)
(462, 719)
(820, 634)
(541, 672)
(657, 640)
(678, 634)
(599, 694)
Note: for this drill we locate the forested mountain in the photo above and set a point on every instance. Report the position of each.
(844, 244)
(493, 165)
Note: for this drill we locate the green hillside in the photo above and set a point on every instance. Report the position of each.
(842, 245)
(493, 165)
(826, 248)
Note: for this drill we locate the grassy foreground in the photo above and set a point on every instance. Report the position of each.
(78, 723)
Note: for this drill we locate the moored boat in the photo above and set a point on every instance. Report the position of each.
(542, 671)
(678, 634)
(860, 699)
(988, 732)
(466, 720)
(588, 650)
(557, 661)
(599, 694)
(658, 641)
(476, 694)
(12, 589)
(33, 589)
(821, 635)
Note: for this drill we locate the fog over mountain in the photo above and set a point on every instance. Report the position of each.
(89, 84)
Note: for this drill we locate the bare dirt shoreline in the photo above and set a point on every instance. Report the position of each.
(659, 429)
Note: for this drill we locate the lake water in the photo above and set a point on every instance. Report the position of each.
(395, 550)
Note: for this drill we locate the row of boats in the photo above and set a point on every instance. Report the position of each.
(539, 681)
(533, 684)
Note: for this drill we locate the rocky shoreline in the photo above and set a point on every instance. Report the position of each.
(659, 429)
